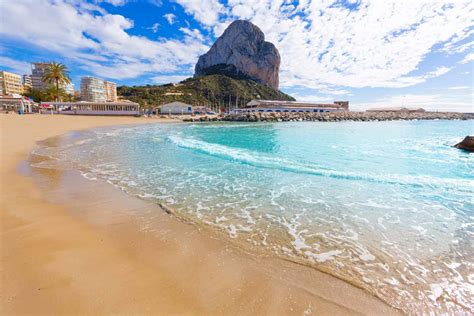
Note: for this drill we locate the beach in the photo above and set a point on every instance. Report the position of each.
(79, 249)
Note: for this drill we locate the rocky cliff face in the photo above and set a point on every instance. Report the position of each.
(241, 52)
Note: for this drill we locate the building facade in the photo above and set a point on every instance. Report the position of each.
(37, 72)
(93, 90)
(94, 108)
(269, 106)
(11, 83)
(68, 88)
(176, 108)
(27, 81)
(111, 91)
(17, 103)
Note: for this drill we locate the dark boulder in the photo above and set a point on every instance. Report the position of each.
(466, 144)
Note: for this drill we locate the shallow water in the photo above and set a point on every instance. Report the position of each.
(385, 205)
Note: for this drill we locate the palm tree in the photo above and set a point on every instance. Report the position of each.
(57, 74)
(51, 92)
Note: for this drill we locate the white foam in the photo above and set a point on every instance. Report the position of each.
(324, 256)
(266, 161)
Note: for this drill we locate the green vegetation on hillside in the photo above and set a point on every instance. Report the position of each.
(213, 91)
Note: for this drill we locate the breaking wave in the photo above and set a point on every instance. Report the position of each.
(270, 162)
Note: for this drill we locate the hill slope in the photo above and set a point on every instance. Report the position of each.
(211, 90)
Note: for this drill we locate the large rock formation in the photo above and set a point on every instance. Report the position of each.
(241, 52)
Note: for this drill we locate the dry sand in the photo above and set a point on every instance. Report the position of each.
(79, 247)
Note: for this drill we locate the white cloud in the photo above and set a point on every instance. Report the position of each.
(157, 3)
(313, 98)
(98, 42)
(438, 72)
(18, 67)
(169, 78)
(154, 27)
(459, 88)
(381, 44)
(116, 3)
(324, 45)
(468, 58)
(170, 17)
(194, 33)
(452, 46)
(204, 11)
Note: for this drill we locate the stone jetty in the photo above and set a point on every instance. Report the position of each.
(334, 117)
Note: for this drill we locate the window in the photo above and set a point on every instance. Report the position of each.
(189, 109)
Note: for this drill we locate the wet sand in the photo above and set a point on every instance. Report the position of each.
(73, 246)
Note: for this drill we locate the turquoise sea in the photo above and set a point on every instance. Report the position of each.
(387, 206)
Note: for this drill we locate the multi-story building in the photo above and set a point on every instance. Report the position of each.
(11, 83)
(68, 88)
(111, 91)
(27, 80)
(93, 89)
(37, 72)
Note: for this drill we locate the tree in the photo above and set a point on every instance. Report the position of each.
(57, 74)
(51, 92)
(36, 94)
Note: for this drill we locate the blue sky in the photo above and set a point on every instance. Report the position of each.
(372, 53)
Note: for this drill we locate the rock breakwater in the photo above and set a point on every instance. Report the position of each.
(334, 117)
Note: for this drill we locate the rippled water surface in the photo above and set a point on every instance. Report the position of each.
(385, 205)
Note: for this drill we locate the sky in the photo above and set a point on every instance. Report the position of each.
(372, 53)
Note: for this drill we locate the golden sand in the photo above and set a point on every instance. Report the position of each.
(71, 246)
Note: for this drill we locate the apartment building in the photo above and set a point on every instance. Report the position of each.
(111, 91)
(68, 88)
(93, 90)
(27, 80)
(37, 72)
(98, 90)
(11, 83)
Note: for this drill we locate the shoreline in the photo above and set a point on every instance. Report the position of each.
(85, 252)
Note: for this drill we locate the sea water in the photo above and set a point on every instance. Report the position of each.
(387, 206)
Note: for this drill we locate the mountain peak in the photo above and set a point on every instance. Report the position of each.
(241, 52)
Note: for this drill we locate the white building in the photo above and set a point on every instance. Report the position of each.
(176, 108)
(111, 91)
(269, 106)
(94, 108)
(93, 90)
(68, 88)
(98, 90)
(16, 102)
